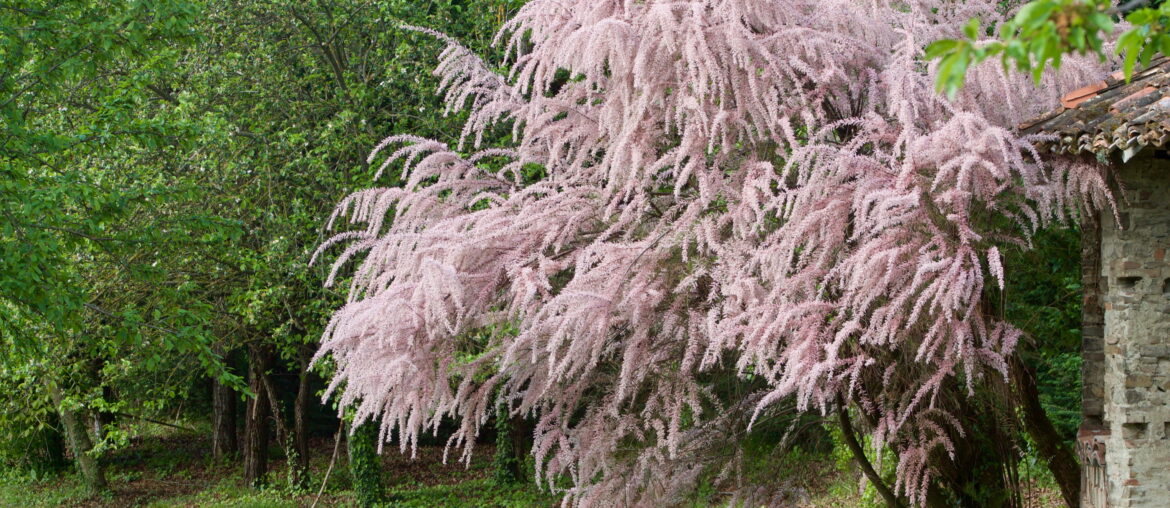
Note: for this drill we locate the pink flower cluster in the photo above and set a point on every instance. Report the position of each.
(767, 190)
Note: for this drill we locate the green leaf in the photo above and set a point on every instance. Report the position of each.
(971, 29)
(940, 48)
(1141, 16)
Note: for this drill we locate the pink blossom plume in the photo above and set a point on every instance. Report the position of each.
(770, 188)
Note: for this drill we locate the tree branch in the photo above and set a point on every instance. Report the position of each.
(156, 422)
(859, 455)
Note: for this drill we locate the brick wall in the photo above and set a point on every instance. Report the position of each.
(1136, 280)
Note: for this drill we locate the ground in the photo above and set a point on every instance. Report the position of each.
(175, 469)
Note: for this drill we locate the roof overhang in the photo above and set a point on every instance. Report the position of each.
(1110, 115)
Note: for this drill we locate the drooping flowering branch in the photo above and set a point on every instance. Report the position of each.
(769, 188)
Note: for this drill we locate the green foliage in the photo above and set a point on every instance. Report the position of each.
(847, 463)
(37, 450)
(100, 279)
(483, 493)
(1043, 31)
(1040, 33)
(165, 167)
(289, 97)
(30, 437)
(1043, 298)
(1147, 38)
(74, 78)
(506, 464)
(15, 487)
(365, 465)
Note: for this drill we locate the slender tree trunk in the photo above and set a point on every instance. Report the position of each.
(100, 420)
(859, 455)
(300, 421)
(1052, 449)
(365, 465)
(223, 420)
(96, 426)
(256, 420)
(79, 443)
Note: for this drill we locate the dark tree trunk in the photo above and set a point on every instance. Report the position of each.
(365, 466)
(223, 420)
(256, 419)
(1052, 449)
(282, 435)
(300, 422)
(982, 470)
(520, 432)
(507, 463)
(80, 445)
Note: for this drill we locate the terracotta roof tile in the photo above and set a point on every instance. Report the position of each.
(1111, 114)
(1076, 97)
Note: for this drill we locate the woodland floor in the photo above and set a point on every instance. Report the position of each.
(176, 470)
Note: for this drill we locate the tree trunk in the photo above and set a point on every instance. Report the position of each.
(256, 420)
(300, 422)
(1052, 449)
(223, 420)
(520, 431)
(365, 466)
(507, 467)
(100, 420)
(513, 443)
(858, 452)
(79, 443)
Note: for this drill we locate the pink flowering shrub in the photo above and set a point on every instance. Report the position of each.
(770, 189)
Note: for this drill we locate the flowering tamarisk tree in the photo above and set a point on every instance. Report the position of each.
(770, 188)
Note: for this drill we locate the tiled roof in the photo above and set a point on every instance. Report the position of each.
(1111, 114)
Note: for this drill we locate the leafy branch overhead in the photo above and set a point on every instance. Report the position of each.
(1042, 32)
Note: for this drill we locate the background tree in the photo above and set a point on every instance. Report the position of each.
(95, 218)
(280, 88)
(365, 465)
(170, 166)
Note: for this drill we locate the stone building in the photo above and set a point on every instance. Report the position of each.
(1124, 443)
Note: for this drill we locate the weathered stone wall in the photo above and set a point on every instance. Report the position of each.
(1093, 434)
(1136, 277)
